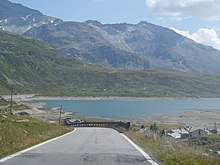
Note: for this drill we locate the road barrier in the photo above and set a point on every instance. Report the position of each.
(98, 124)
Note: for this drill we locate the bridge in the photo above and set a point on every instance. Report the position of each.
(98, 124)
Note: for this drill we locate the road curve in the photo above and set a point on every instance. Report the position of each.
(84, 146)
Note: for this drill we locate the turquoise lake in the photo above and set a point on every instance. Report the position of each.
(121, 109)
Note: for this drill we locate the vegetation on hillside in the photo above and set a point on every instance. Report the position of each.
(210, 142)
(170, 151)
(34, 67)
(20, 132)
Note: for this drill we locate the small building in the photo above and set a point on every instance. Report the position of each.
(216, 153)
(2, 98)
(178, 133)
(214, 131)
(198, 133)
(175, 135)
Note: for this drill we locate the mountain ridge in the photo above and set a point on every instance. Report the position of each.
(141, 46)
(145, 45)
(35, 67)
(17, 18)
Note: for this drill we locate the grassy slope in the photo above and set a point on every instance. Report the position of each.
(36, 68)
(29, 64)
(15, 136)
(172, 152)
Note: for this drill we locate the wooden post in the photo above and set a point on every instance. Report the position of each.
(12, 88)
(60, 114)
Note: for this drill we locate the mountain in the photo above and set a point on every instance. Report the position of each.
(17, 18)
(82, 42)
(35, 67)
(29, 64)
(141, 46)
(161, 47)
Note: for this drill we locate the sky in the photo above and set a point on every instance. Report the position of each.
(196, 19)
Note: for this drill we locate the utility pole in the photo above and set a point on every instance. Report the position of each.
(12, 88)
(189, 136)
(60, 114)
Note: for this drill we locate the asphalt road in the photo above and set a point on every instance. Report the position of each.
(84, 146)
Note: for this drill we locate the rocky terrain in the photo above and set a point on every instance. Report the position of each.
(141, 46)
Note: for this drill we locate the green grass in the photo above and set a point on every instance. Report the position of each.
(210, 142)
(179, 153)
(4, 103)
(18, 107)
(16, 136)
(15, 106)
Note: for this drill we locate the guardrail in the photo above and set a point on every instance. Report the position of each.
(99, 124)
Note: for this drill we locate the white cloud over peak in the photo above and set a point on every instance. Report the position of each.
(204, 36)
(206, 9)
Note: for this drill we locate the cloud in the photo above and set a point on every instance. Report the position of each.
(204, 36)
(181, 32)
(206, 9)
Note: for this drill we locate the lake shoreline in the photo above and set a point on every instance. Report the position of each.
(30, 97)
(195, 117)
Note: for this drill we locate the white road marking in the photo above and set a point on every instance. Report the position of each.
(149, 159)
(33, 147)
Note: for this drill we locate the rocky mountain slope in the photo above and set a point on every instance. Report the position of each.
(17, 18)
(82, 42)
(162, 47)
(141, 46)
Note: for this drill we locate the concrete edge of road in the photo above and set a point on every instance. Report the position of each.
(33, 147)
(149, 159)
